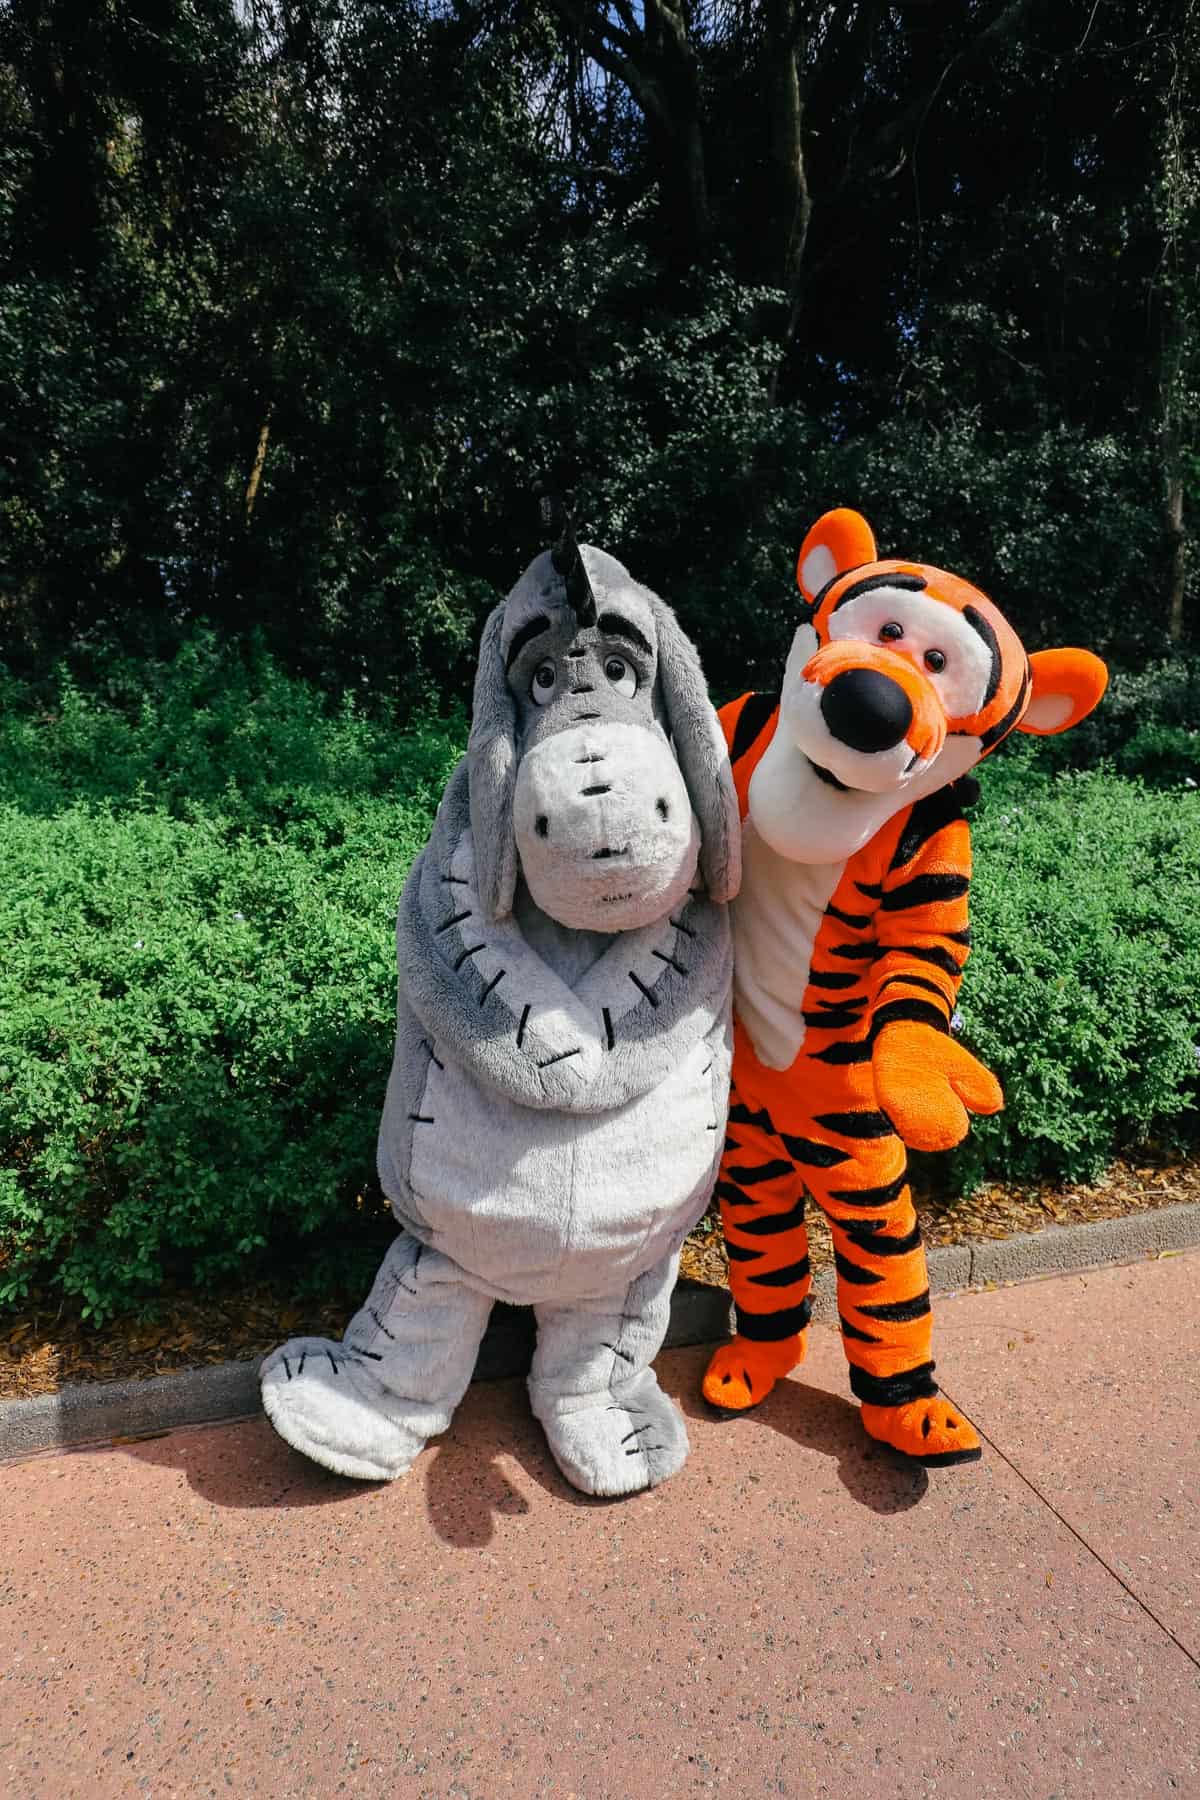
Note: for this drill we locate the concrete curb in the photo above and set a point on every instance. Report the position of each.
(108, 1412)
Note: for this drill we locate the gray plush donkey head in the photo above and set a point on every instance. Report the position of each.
(597, 766)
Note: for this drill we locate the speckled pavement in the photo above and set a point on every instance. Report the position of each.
(206, 1614)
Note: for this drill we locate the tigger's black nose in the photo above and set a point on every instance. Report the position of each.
(866, 710)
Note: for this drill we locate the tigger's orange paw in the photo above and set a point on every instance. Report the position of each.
(742, 1373)
(932, 1432)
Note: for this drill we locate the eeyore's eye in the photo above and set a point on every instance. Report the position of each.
(545, 680)
(623, 678)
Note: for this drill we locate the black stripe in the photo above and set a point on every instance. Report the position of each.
(893, 1390)
(927, 818)
(466, 956)
(833, 978)
(733, 1196)
(941, 959)
(771, 1224)
(768, 1171)
(743, 1253)
(852, 1331)
(651, 996)
(911, 584)
(609, 1040)
(876, 1244)
(857, 1124)
(856, 920)
(836, 1019)
(872, 889)
(455, 919)
(532, 628)
(977, 622)
(996, 732)
(920, 1012)
(772, 1327)
(873, 1196)
(922, 890)
(959, 937)
(663, 957)
(917, 981)
(494, 982)
(750, 722)
(522, 1025)
(561, 1057)
(843, 1055)
(864, 952)
(740, 1114)
(811, 1154)
(899, 1312)
(784, 1277)
(853, 1273)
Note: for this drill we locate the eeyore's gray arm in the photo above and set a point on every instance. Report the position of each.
(489, 1002)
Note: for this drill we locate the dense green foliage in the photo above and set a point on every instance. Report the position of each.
(202, 864)
(1083, 989)
(299, 299)
(198, 985)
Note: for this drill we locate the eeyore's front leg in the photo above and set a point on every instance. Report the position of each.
(609, 1425)
(366, 1407)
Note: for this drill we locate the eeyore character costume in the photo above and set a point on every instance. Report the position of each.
(556, 1109)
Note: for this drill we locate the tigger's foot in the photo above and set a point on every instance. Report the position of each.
(931, 1432)
(742, 1373)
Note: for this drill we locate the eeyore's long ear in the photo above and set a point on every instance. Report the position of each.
(702, 755)
(492, 772)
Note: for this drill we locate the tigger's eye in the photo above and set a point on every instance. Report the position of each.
(935, 661)
(889, 633)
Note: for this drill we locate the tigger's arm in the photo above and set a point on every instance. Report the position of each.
(924, 1080)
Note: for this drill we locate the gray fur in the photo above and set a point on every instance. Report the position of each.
(671, 700)
(556, 1109)
(492, 759)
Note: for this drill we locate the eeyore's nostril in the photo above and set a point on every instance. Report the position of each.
(542, 825)
(662, 809)
(598, 854)
(866, 710)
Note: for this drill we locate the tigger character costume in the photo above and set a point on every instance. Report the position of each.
(850, 936)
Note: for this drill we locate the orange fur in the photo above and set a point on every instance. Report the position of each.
(877, 1069)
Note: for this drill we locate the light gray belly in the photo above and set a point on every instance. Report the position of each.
(543, 1205)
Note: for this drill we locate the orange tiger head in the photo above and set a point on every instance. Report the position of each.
(900, 678)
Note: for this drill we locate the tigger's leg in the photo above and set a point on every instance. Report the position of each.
(762, 1211)
(883, 1287)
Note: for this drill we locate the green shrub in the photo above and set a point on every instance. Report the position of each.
(198, 983)
(201, 869)
(1083, 989)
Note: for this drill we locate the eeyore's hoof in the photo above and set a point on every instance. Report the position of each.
(329, 1406)
(619, 1446)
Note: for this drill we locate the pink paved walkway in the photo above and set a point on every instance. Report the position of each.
(205, 1613)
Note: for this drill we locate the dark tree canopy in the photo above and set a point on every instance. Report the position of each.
(302, 297)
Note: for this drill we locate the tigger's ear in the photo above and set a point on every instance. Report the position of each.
(839, 540)
(1067, 684)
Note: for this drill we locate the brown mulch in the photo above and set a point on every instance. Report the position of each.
(42, 1352)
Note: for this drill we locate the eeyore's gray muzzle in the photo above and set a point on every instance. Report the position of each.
(604, 827)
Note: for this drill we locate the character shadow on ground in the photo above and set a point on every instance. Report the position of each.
(813, 1420)
(461, 1479)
